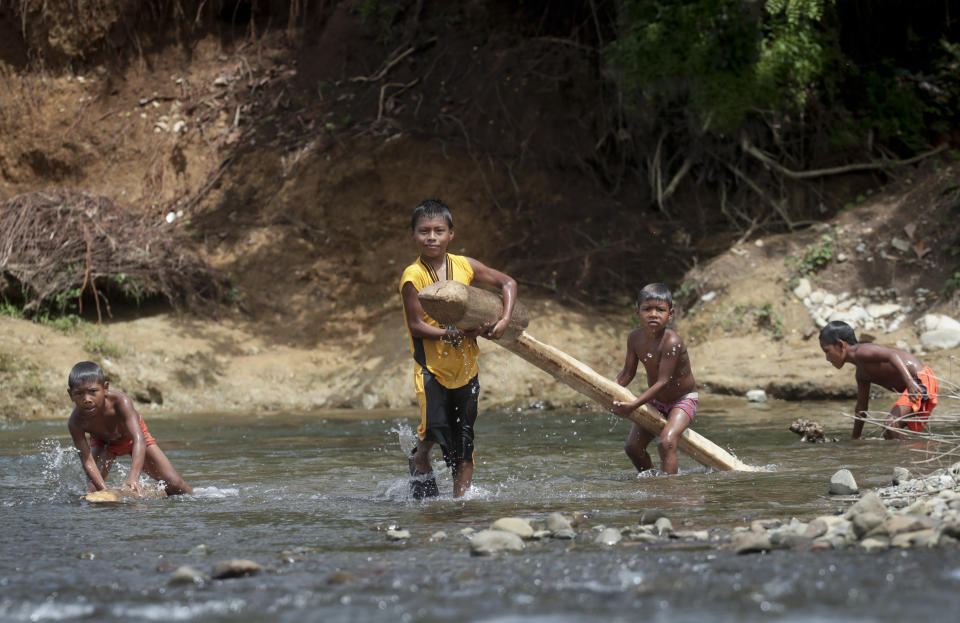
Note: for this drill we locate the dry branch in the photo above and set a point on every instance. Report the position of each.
(53, 243)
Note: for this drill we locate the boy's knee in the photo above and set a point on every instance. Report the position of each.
(667, 445)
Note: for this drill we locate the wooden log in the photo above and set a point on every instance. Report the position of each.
(458, 305)
(467, 307)
(120, 495)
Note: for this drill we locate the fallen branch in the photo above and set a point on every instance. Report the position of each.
(865, 166)
(390, 64)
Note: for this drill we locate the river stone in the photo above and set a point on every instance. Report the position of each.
(488, 542)
(609, 536)
(842, 483)
(564, 533)
(439, 535)
(650, 516)
(901, 474)
(874, 544)
(691, 535)
(520, 527)
(918, 538)
(803, 289)
(899, 524)
(819, 526)
(756, 395)
(787, 539)
(557, 522)
(188, 575)
(398, 535)
(199, 550)
(865, 522)
(951, 529)
(235, 568)
(882, 310)
(870, 502)
(920, 506)
(750, 543)
(934, 322)
(663, 526)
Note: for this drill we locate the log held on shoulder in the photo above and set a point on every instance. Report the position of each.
(455, 304)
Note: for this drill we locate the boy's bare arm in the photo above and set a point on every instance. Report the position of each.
(86, 456)
(508, 290)
(630, 363)
(415, 322)
(131, 419)
(860, 411)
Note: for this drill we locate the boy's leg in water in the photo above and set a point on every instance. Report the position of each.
(463, 478)
(158, 466)
(423, 484)
(896, 421)
(636, 448)
(677, 422)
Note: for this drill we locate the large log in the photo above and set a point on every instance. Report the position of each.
(119, 495)
(455, 304)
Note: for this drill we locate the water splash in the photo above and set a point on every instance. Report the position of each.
(215, 493)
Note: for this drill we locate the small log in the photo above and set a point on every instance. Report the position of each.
(455, 304)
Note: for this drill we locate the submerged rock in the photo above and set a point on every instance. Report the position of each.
(398, 535)
(901, 475)
(557, 522)
(188, 575)
(488, 542)
(609, 536)
(236, 568)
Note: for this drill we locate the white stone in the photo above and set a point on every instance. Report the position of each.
(841, 257)
(170, 217)
(816, 297)
(900, 244)
(932, 322)
(882, 310)
(843, 483)
(803, 289)
(709, 296)
(756, 395)
(516, 525)
(940, 339)
(609, 536)
(830, 299)
(398, 535)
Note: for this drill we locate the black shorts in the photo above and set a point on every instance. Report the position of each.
(447, 417)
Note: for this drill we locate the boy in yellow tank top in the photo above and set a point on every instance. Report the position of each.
(445, 371)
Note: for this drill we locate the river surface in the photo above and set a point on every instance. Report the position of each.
(309, 496)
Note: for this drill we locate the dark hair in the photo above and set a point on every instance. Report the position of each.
(837, 330)
(657, 292)
(84, 372)
(429, 209)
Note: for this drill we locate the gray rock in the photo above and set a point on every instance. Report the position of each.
(751, 543)
(520, 527)
(438, 535)
(901, 474)
(188, 575)
(557, 522)
(918, 538)
(235, 568)
(900, 524)
(398, 535)
(488, 542)
(691, 535)
(842, 483)
(609, 536)
(564, 533)
(869, 502)
(756, 395)
(787, 539)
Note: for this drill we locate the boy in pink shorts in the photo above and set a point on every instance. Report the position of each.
(672, 390)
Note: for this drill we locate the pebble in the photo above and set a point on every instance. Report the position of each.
(843, 483)
(756, 395)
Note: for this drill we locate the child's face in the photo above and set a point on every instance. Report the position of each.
(89, 397)
(654, 315)
(432, 235)
(835, 353)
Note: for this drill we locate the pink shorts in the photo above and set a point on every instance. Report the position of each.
(686, 403)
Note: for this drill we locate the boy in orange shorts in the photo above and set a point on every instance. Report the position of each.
(115, 429)
(895, 369)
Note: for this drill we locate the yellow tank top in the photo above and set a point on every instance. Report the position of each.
(453, 366)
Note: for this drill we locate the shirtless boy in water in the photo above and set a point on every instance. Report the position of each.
(889, 367)
(115, 429)
(672, 390)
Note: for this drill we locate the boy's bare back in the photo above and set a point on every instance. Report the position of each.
(875, 364)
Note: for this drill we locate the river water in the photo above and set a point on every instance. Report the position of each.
(309, 496)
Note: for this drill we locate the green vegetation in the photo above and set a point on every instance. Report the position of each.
(770, 321)
(811, 260)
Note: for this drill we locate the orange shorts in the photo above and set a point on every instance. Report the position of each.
(124, 445)
(921, 406)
